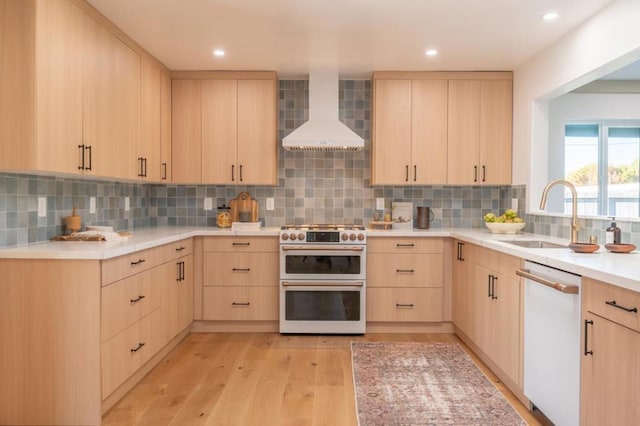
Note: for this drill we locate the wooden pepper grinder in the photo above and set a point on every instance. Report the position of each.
(73, 222)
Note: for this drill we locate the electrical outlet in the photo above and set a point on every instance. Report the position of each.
(514, 204)
(208, 203)
(92, 204)
(42, 206)
(127, 204)
(270, 203)
(380, 203)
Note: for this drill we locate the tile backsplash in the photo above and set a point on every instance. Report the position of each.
(317, 187)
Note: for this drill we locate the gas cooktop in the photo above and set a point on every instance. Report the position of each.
(323, 227)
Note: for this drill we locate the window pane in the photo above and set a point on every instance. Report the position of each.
(623, 188)
(581, 166)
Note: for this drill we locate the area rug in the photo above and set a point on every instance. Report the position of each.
(424, 384)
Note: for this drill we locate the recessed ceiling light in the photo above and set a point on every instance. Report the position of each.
(550, 16)
(218, 52)
(431, 52)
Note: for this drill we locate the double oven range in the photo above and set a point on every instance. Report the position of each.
(323, 279)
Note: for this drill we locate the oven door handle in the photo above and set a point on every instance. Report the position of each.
(322, 248)
(322, 284)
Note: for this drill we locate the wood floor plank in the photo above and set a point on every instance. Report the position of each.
(260, 379)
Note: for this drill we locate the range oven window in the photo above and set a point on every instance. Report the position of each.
(326, 305)
(316, 264)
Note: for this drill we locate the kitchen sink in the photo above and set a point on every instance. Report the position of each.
(534, 244)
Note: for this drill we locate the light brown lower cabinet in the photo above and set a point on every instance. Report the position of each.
(73, 331)
(610, 366)
(240, 303)
(404, 304)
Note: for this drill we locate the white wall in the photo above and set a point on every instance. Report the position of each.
(606, 42)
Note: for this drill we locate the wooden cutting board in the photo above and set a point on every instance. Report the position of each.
(244, 203)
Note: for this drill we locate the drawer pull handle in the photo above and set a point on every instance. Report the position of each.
(241, 244)
(137, 348)
(408, 271)
(240, 303)
(241, 269)
(137, 299)
(405, 245)
(404, 305)
(139, 261)
(180, 248)
(615, 305)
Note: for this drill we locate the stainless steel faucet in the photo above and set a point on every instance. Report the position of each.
(574, 202)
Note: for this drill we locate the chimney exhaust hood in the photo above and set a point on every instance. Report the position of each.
(323, 131)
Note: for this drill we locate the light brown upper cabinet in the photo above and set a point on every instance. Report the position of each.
(226, 122)
(41, 57)
(409, 131)
(71, 92)
(165, 127)
(480, 132)
(147, 155)
(441, 128)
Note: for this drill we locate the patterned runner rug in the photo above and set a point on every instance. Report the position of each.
(424, 384)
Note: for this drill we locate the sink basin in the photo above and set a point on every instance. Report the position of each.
(534, 244)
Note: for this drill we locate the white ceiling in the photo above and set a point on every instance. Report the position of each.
(355, 37)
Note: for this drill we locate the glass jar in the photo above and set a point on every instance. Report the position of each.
(223, 218)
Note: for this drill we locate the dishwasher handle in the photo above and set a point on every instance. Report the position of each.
(564, 288)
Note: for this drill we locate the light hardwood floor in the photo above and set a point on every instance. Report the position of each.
(259, 379)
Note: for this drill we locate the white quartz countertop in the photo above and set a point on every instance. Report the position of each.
(622, 270)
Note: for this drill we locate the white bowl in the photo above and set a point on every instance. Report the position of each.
(505, 228)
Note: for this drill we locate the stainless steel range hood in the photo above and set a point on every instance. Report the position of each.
(323, 131)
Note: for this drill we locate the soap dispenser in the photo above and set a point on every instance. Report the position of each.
(612, 234)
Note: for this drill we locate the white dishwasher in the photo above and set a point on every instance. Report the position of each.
(552, 342)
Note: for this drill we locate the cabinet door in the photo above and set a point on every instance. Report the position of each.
(481, 329)
(391, 153)
(220, 131)
(111, 114)
(610, 377)
(505, 325)
(186, 131)
(59, 40)
(429, 132)
(496, 117)
(463, 125)
(167, 276)
(148, 146)
(165, 127)
(185, 293)
(257, 142)
(463, 287)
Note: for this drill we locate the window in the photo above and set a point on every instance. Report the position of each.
(602, 160)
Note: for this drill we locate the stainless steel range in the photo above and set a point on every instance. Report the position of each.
(323, 271)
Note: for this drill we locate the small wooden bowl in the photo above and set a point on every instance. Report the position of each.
(73, 223)
(584, 247)
(620, 248)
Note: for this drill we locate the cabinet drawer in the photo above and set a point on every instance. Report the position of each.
(404, 270)
(241, 244)
(404, 245)
(127, 301)
(404, 304)
(123, 266)
(240, 269)
(240, 303)
(175, 250)
(499, 262)
(599, 298)
(126, 352)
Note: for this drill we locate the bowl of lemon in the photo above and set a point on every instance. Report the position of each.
(507, 223)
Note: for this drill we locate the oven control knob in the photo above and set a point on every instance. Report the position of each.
(293, 237)
(285, 237)
(360, 237)
(344, 237)
(301, 236)
(352, 237)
